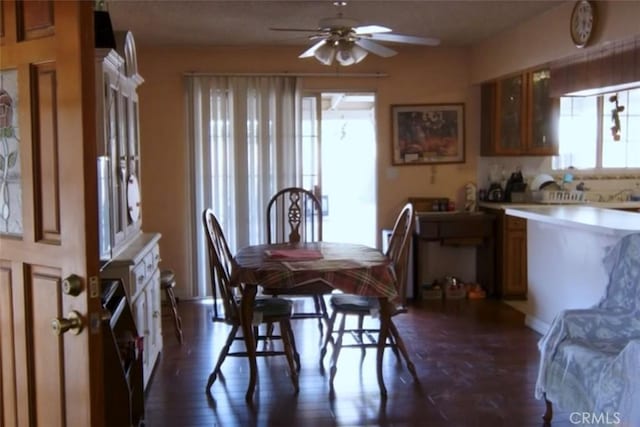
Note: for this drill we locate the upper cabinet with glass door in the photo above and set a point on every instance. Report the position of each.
(118, 141)
(518, 116)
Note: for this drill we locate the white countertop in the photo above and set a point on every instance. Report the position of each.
(579, 216)
(606, 205)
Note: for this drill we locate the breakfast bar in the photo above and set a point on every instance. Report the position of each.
(565, 246)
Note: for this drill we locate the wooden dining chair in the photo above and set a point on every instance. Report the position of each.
(362, 306)
(295, 215)
(266, 310)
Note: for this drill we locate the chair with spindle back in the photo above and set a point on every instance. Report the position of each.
(266, 310)
(361, 306)
(294, 215)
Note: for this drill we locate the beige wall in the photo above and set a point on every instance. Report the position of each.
(415, 75)
(546, 38)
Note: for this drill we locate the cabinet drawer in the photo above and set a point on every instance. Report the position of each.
(428, 230)
(156, 254)
(515, 223)
(464, 229)
(151, 260)
(140, 276)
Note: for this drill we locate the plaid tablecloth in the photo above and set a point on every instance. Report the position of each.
(354, 269)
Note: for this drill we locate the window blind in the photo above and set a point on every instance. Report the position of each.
(602, 69)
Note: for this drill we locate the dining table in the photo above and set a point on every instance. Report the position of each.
(351, 268)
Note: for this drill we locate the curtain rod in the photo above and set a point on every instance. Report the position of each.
(285, 74)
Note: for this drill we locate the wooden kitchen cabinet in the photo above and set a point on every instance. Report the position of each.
(514, 257)
(519, 117)
(511, 256)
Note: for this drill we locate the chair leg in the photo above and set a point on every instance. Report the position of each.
(269, 330)
(394, 347)
(399, 343)
(548, 413)
(328, 337)
(323, 310)
(177, 320)
(222, 356)
(287, 335)
(318, 307)
(363, 350)
(292, 338)
(256, 337)
(336, 352)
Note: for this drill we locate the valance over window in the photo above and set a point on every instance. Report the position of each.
(607, 68)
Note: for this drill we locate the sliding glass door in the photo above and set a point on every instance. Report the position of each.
(339, 128)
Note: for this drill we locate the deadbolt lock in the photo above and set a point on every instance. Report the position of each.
(72, 285)
(73, 322)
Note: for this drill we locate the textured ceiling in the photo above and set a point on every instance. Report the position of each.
(224, 23)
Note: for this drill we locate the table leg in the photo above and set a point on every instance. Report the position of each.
(246, 319)
(385, 319)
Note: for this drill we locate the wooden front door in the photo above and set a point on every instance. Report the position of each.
(48, 215)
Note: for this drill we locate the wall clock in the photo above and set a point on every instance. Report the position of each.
(582, 22)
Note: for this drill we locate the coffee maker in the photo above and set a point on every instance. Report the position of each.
(495, 192)
(515, 187)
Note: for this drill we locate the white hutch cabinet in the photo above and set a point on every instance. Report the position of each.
(128, 253)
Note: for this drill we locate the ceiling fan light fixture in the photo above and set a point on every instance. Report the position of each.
(325, 53)
(344, 40)
(350, 53)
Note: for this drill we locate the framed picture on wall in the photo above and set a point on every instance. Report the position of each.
(427, 134)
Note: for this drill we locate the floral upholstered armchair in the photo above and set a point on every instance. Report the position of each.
(590, 358)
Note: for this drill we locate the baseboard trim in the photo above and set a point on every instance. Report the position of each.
(536, 324)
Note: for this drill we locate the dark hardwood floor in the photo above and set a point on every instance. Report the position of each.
(476, 362)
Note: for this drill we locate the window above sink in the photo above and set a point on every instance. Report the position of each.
(586, 132)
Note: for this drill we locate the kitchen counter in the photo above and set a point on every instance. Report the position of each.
(604, 205)
(607, 221)
(565, 248)
(447, 215)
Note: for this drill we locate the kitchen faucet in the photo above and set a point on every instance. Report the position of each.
(581, 187)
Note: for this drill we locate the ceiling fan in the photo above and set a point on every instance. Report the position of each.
(342, 39)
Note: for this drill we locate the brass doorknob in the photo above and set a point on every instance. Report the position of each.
(73, 322)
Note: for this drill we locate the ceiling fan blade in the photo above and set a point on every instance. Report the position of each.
(306, 30)
(399, 38)
(376, 48)
(371, 29)
(312, 50)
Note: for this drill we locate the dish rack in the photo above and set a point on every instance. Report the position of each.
(559, 197)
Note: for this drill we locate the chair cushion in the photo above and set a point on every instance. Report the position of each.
(595, 377)
(354, 303)
(273, 307)
(318, 287)
(587, 361)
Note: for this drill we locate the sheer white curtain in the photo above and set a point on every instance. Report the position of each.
(244, 146)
